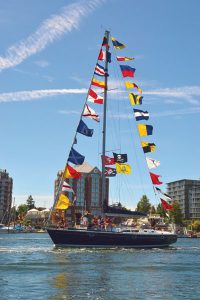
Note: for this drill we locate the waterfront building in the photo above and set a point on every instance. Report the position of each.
(187, 193)
(6, 184)
(88, 189)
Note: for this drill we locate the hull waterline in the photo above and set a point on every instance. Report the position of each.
(106, 239)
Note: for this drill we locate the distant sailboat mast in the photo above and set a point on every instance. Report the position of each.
(103, 199)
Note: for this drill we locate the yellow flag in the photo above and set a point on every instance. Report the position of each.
(63, 202)
(129, 84)
(144, 129)
(123, 168)
(66, 172)
(135, 99)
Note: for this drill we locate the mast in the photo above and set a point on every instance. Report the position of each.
(107, 34)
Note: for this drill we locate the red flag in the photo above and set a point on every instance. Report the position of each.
(93, 97)
(155, 178)
(109, 160)
(102, 55)
(166, 205)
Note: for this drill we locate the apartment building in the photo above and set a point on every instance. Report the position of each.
(6, 184)
(88, 189)
(187, 193)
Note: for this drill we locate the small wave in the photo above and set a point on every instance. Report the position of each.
(25, 250)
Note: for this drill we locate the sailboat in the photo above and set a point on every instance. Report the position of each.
(95, 236)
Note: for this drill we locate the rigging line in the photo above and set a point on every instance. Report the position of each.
(119, 82)
(62, 178)
(123, 97)
(136, 154)
(147, 165)
(115, 137)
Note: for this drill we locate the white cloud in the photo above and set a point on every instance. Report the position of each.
(186, 92)
(69, 112)
(37, 94)
(51, 30)
(175, 94)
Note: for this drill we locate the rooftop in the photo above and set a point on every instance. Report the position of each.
(84, 168)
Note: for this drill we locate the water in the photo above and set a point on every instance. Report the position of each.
(31, 268)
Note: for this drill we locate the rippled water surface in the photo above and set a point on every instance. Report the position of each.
(32, 268)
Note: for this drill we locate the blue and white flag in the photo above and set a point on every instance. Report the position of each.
(100, 71)
(83, 129)
(75, 157)
(140, 114)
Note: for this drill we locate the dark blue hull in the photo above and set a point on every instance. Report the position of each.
(92, 238)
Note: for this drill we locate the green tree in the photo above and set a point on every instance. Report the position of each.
(21, 211)
(176, 214)
(160, 211)
(144, 205)
(153, 210)
(30, 202)
(119, 205)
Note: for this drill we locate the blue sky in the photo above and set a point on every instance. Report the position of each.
(48, 52)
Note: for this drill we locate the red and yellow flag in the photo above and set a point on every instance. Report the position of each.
(70, 172)
(98, 83)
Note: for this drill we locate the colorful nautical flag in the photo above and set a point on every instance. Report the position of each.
(144, 129)
(63, 202)
(100, 71)
(164, 194)
(120, 158)
(135, 99)
(127, 71)
(116, 44)
(104, 55)
(148, 147)
(123, 168)
(130, 85)
(90, 113)
(124, 58)
(83, 129)
(152, 163)
(66, 187)
(98, 83)
(166, 205)
(105, 41)
(70, 172)
(110, 172)
(108, 160)
(155, 178)
(75, 157)
(140, 114)
(93, 97)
